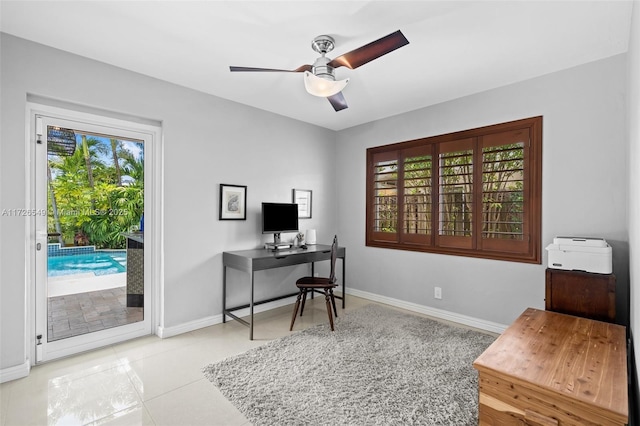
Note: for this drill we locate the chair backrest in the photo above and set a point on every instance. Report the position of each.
(334, 255)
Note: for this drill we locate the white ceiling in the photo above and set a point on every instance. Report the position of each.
(456, 48)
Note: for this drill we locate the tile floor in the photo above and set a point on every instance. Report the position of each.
(76, 314)
(146, 381)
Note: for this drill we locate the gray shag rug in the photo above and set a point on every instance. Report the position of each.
(380, 367)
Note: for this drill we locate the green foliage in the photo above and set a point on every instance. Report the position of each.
(118, 208)
(102, 212)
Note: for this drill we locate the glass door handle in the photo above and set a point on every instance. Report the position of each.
(40, 236)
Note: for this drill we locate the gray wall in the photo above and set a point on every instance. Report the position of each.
(207, 141)
(584, 190)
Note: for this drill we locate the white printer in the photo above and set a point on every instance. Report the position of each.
(580, 254)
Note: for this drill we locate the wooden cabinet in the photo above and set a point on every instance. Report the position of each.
(554, 369)
(582, 294)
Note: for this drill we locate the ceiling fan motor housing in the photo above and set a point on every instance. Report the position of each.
(322, 70)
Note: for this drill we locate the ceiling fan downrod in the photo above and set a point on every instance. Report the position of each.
(323, 44)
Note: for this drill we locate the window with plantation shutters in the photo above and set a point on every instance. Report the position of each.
(417, 196)
(385, 198)
(455, 193)
(471, 193)
(504, 225)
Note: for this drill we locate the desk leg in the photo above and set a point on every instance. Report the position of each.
(251, 310)
(313, 274)
(344, 279)
(224, 293)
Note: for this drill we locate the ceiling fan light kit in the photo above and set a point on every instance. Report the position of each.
(319, 78)
(321, 81)
(322, 86)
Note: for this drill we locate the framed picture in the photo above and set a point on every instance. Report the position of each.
(303, 198)
(233, 202)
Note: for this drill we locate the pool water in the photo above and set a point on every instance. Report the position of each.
(98, 263)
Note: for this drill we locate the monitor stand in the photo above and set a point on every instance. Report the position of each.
(277, 244)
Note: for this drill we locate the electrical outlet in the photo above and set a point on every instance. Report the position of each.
(437, 293)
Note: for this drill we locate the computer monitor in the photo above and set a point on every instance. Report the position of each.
(279, 217)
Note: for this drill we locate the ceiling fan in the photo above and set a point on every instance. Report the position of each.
(319, 78)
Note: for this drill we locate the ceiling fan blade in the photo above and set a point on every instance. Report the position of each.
(371, 51)
(301, 68)
(338, 102)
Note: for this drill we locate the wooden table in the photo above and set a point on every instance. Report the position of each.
(254, 260)
(549, 368)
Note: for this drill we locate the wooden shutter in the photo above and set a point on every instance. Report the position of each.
(417, 204)
(455, 193)
(383, 210)
(505, 192)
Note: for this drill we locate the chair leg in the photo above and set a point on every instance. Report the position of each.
(327, 299)
(333, 302)
(304, 299)
(295, 310)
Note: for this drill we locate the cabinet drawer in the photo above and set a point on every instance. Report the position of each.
(506, 402)
(494, 412)
(582, 294)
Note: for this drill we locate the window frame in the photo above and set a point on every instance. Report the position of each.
(527, 250)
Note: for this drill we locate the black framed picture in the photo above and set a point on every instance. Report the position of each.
(233, 202)
(302, 197)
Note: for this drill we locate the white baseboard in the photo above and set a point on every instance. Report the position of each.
(15, 372)
(433, 312)
(164, 332)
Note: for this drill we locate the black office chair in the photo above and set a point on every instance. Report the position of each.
(306, 284)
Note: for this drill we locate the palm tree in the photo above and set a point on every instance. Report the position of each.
(134, 168)
(74, 195)
(54, 205)
(114, 151)
(87, 159)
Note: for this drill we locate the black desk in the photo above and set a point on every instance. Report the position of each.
(261, 259)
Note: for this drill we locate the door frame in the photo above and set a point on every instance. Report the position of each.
(154, 271)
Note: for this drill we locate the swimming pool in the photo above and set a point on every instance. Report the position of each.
(98, 263)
